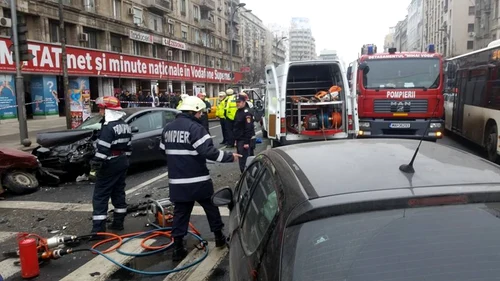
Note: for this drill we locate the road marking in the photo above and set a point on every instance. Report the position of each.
(104, 266)
(6, 235)
(192, 256)
(76, 207)
(204, 270)
(8, 269)
(146, 183)
(214, 127)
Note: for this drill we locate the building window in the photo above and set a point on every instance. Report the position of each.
(155, 51)
(183, 7)
(184, 35)
(470, 45)
(138, 16)
(92, 38)
(171, 28)
(117, 9)
(472, 10)
(116, 43)
(470, 27)
(89, 5)
(53, 31)
(155, 23)
(137, 48)
(196, 13)
(184, 56)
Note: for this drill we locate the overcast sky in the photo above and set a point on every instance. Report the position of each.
(341, 25)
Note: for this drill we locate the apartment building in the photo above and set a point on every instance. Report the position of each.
(389, 39)
(302, 43)
(179, 46)
(450, 26)
(279, 39)
(255, 51)
(328, 55)
(486, 23)
(415, 26)
(400, 36)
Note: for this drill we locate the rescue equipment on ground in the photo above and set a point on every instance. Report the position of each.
(324, 113)
(34, 249)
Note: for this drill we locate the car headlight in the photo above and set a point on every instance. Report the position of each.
(364, 124)
(435, 125)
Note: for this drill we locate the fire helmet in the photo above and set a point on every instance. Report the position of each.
(191, 103)
(108, 102)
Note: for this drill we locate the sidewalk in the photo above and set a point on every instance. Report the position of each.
(9, 131)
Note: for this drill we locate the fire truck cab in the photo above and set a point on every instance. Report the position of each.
(398, 93)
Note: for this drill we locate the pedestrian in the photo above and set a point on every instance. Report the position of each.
(243, 130)
(111, 164)
(187, 146)
(221, 114)
(230, 115)
(204, 116)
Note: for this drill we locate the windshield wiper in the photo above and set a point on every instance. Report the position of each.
(379, 88)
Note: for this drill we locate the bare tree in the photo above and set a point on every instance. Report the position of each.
(256, 74)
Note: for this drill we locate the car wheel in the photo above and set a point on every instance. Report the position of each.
(490, 143)
(20, 182)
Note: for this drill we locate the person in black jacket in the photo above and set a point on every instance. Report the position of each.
(187, 146)
(243, 130)
(111, 163)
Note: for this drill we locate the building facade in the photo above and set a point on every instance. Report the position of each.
(415, 26)
(302, 43)
(278, 38)
(486, 23)
(328, 55)
(254, 36)
(400, 36)
(179, 46)
(389, 40)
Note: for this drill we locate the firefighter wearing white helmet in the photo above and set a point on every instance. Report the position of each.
(183, 96)
(187, 146)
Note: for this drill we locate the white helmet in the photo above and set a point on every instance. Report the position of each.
(191, 103)
(229, 92)
(183, 96)
(222, 94)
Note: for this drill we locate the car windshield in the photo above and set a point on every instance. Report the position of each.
(91, 123)
(402, 73)
(442, 243)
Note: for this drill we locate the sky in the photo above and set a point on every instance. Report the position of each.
(341, 25)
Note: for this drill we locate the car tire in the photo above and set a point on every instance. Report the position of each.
(20, 182)
(491, 142)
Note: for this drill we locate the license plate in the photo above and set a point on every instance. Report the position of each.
(399, 125)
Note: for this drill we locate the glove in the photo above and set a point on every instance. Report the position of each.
(95, 165)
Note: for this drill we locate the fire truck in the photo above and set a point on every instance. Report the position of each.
(399, 94)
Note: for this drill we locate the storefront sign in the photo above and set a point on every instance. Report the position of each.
(174, 44)
(86, 62)
(139, 36)
(44, 95)
(8, 109)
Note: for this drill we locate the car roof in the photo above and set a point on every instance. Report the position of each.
(351, 166)
(132, 110)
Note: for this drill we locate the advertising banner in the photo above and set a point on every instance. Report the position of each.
(8, 109)
(87, 62)
(44, 95)
(80, 100)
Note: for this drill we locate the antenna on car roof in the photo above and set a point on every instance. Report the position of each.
(408, 168)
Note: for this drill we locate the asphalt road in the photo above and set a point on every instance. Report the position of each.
(66, 210)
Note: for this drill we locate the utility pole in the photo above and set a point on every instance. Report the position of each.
(20, 53)
(62, 37)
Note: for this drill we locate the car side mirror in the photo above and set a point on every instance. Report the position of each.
(223, 197)
(134, 129)
(259, 105)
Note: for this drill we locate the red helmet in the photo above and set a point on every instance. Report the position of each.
(108, 102)
(201, 95)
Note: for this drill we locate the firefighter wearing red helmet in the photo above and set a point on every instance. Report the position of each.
(111, 164)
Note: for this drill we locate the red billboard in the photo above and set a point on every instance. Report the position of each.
(90, 62)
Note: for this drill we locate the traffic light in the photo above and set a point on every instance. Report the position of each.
(22, 39)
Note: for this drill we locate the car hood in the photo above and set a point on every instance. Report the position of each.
(50, 139)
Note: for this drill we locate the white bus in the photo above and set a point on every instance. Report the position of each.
(472, 106)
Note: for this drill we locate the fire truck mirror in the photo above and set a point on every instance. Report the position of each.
(364, 67)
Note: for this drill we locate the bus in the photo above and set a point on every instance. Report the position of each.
(472, 94)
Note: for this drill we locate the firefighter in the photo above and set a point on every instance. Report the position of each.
(111, 164)
(221, 114)
(187, 146)
(230, 114)
(204, 117)
(243, 130)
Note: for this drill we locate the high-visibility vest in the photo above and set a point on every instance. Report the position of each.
(231, 107)
(221, 109)
(179, 105)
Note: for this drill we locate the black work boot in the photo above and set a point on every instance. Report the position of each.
(220, 239)
(98, 226)
(179, 251)
(118, 219)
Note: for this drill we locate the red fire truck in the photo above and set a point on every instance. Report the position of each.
(398, 92)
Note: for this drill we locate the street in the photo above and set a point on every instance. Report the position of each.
(67, 210)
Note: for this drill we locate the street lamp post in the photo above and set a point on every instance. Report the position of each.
(277, 45)
(231, 35)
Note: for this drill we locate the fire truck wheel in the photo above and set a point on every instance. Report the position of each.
(490, 143)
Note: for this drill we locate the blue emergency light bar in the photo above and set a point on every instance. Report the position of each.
(370, 50)
(431, 48)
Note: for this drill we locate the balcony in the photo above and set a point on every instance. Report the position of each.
(207, 25)
(207, 4)
(160, 6)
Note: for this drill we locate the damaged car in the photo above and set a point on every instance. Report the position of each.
(67, 153)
